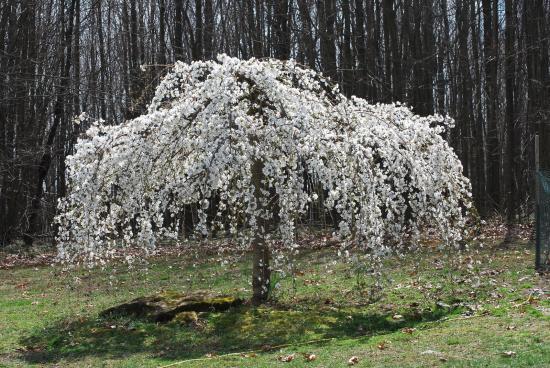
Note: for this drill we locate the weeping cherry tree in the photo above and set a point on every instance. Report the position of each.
(239, 139)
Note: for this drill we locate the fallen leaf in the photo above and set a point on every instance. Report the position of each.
(287, 358)
(397, 316)
(509, 354)
(383, 345)
(310, 357)
(353, 360)
(408, 330)
(23, 285)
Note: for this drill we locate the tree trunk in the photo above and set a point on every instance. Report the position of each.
(261, 255)
(208, 30)
(281, 29)
(326, 11)
(361, 51)
(161, 57)
(197, 45)
(391, 49)
(346, 54)
(490, 24)
(307, 34)
(373, 49)
(512, 138)
(478, 179)
(464, 105)
(59, 110)
(178, 30)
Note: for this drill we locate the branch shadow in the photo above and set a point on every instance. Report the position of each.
(239, 329)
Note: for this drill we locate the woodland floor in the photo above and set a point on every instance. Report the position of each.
(485, 307)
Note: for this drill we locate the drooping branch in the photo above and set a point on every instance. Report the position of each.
(241, 140)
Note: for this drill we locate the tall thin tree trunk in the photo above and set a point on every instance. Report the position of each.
(208, 30)
(373, 50)
(478, 179)
(307, 33)
(391, 50)
(347, 64)
(177, 42)
(491, 91)
(197, 46)
(511, 132)
(161, 58)
(327, 13)
(281, 29)
(59, 109)
(362, 76)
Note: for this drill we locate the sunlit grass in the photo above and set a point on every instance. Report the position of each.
(466, 310)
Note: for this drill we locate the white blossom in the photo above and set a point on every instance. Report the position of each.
(387, 172)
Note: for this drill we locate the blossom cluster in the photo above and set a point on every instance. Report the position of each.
(386, 171)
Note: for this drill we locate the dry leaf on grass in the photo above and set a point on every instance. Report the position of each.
(310, 357)
(383, 345)
(287, 358)
(353, 360)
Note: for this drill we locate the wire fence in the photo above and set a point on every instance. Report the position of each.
(542, 261)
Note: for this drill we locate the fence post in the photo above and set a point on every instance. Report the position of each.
(538, 245)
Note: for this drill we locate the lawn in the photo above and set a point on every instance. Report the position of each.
(484, 307)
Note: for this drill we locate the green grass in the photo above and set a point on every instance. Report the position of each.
(459, 311)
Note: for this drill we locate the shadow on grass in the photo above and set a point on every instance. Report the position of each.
(238, 329)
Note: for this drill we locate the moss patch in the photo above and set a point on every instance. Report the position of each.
(164, 306)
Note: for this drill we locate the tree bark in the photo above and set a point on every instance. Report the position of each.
(281, 24)
(490, 26)
(361, 51)
(178, 30)
(393, 59)
(261, 273)
(208, 30)
(511, 133)
(347, 58)
(373, 48)
(161, 57)
(307, 33)
(46, 158)
(197, 45)
(327, 13)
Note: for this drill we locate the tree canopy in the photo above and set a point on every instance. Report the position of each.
(240, 139)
